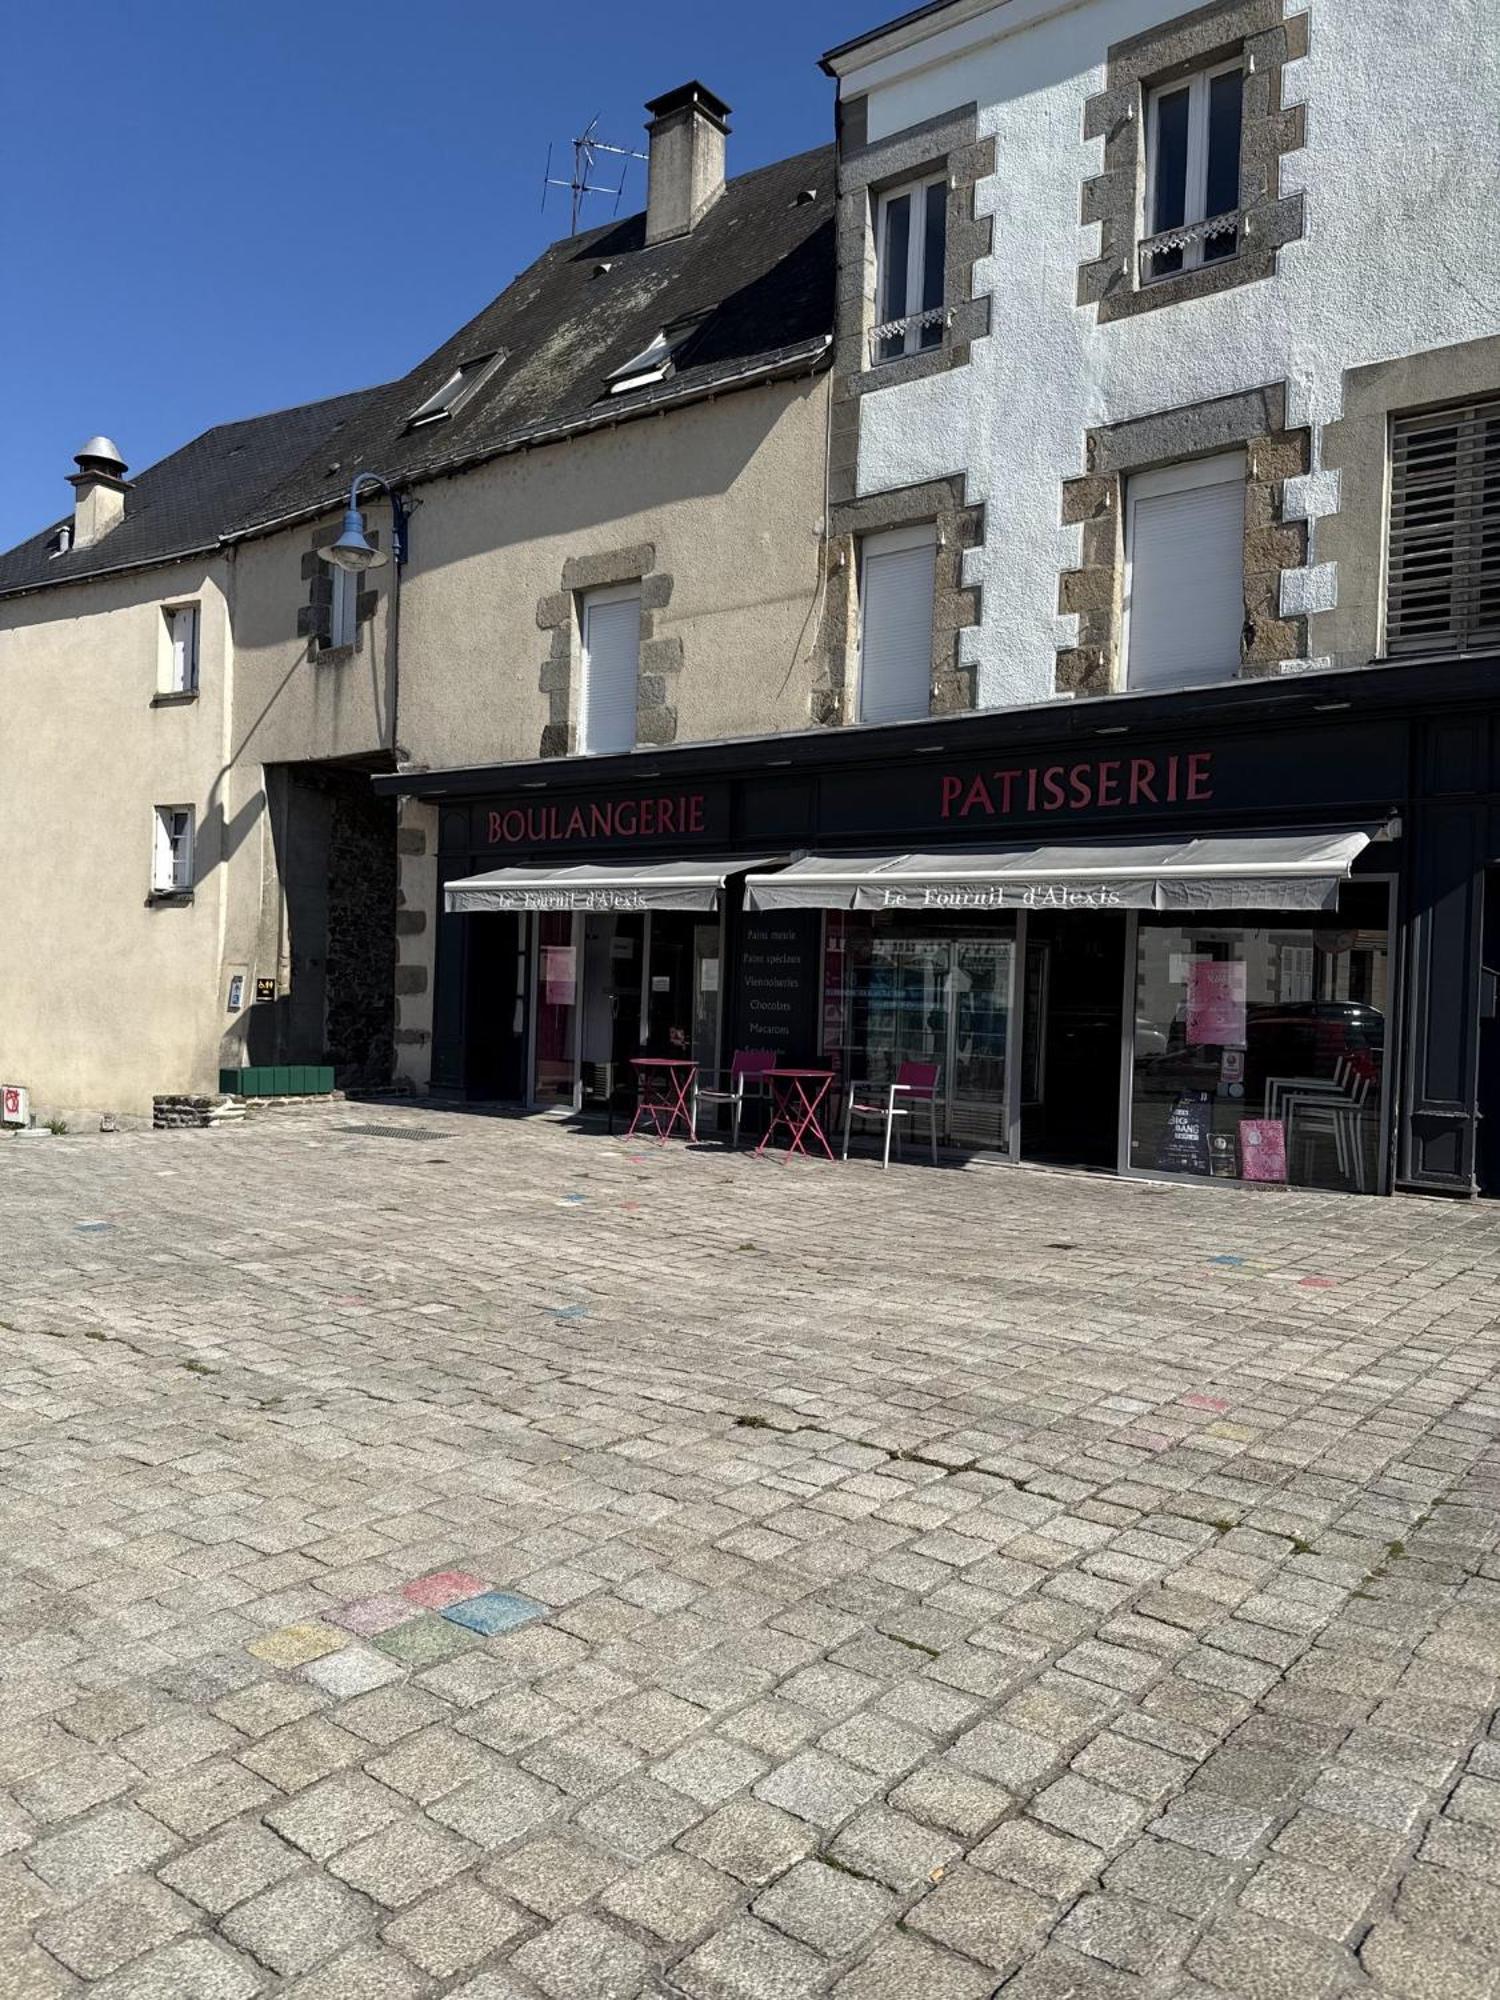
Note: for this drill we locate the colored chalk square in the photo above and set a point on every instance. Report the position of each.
(423, 1642)
(442, 1588)
(369, 1615)
(356, 1670)
(496, 1611)
(295, 1645)
(1216, 1403)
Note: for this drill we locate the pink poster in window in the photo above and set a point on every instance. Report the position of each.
(558, 975)
(1215, 1003)
(1262, 1149)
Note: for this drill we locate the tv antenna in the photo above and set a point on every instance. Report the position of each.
(587, 148)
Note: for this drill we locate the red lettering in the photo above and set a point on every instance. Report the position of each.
(1031, 790)
(513, 826)
(1079, 783)
(536, 823)
(1200, 775)
(1109, 782)
(695, 814)
(575, 823)
(666, 815)
(1007, 779)
(1171, 781)
(1053, 795)
(951, 789)
(979, 795)
(621, 827)
(601, 821)
(648, 816)
(495, 835)
(1142, 780)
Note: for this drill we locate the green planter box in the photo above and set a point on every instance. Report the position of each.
(279, 1080)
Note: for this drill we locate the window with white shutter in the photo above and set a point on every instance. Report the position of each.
(182, 648)
(1443, 571)
(1185, 573)
(343, 609)
(895, 624)
(172, 850)
(611, 670)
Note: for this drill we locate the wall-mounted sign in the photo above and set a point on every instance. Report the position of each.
(265, 989)
(661, 817)
(15, 1105)
(236, 993)
(1091, 783)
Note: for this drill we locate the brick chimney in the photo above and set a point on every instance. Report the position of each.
(99, 487)
(686, 177)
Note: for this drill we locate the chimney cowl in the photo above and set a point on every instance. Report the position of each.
(99, 486)
(687, 132)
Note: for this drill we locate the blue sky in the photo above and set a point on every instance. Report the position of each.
(218, 207)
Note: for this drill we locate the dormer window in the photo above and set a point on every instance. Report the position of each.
(657, 360)
(465, 381)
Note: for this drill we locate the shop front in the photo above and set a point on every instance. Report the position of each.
(1234, 936)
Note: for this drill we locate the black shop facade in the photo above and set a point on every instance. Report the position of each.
(1237, 935)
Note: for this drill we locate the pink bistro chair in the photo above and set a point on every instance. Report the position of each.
(916, 1083)
(748, 1073)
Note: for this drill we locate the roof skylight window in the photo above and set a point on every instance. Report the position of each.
(449, 399)
(657, 360)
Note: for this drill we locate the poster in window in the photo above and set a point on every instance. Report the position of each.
(558, 975)
(1216, 1003)
(1262, 1149)
(1184, 1147)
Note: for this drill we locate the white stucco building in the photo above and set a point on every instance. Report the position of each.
(1339, 161)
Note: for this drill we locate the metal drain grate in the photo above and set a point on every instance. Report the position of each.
(426, 1132)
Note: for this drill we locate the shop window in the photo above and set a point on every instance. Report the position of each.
(1193, 171)
(1260, 1048)
(172, 851)
(1443, 591)
(896, 575)
(911, 226)
(1185, 573)
(611, 670)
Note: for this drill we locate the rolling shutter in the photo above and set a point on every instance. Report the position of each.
(611, 671)
(895, 653)
(1185, 599)
(1443, 589)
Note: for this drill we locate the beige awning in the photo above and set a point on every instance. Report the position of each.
(1250, 871)
(602, 885)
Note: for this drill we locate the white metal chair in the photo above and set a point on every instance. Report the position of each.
(916, 1083)
(747, 1073)
(1338, 1114)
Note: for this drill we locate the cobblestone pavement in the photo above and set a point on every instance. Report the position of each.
(472, 1556)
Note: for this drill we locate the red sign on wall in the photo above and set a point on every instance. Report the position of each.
(613, 820)
(1090, 784)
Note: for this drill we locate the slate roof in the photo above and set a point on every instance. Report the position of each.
(759, 265)
(183, 503)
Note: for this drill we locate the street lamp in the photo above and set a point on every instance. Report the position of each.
(353, 550)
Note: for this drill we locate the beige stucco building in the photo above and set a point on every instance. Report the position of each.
(641, 416)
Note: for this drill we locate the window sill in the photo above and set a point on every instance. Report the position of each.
(168, 898)
(174, 698)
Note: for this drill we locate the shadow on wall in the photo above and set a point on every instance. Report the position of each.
(335, 845)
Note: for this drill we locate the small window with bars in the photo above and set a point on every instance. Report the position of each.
(1443, 563)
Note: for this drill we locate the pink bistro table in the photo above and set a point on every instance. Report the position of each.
(665, 1088)
(797, 1095)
